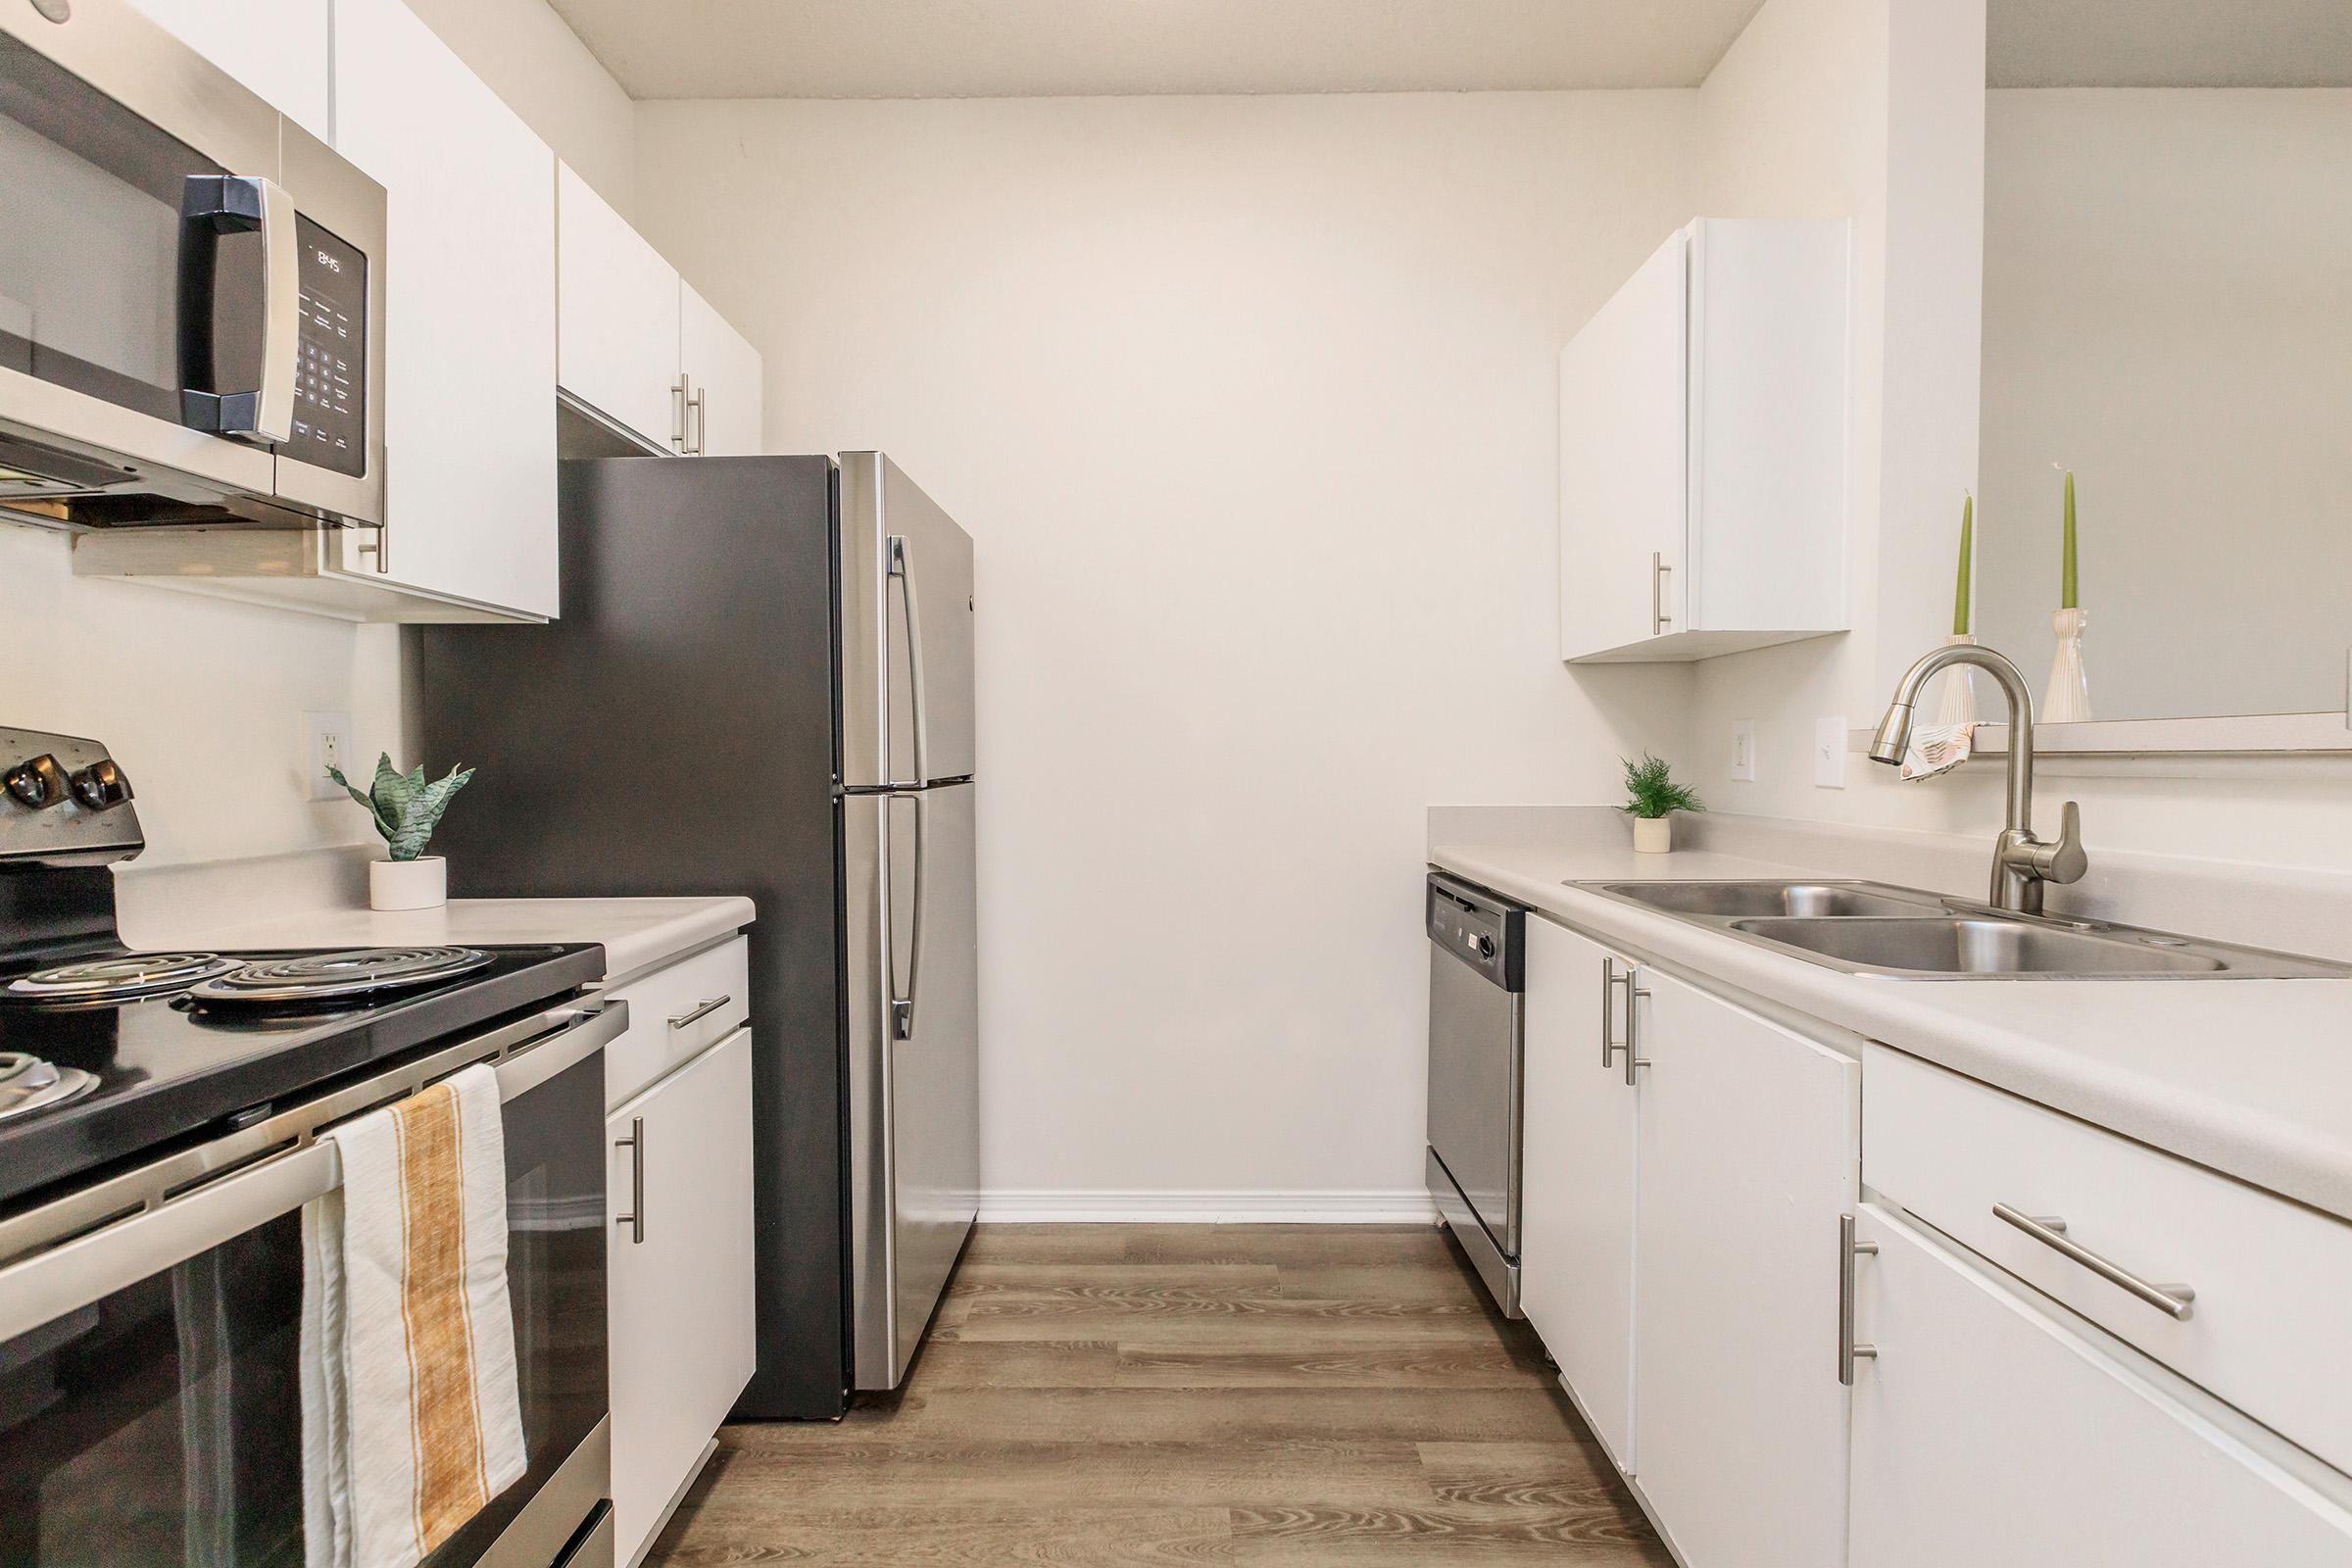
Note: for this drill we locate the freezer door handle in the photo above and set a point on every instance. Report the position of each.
(902, 572)
(902, 1005)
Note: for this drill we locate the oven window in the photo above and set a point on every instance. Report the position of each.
(92, 251)
(162, 1425)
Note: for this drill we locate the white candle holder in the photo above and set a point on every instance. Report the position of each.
(1959, 704)
(2068, 699)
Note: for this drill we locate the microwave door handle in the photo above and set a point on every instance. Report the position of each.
(902, 569)
(214, 204)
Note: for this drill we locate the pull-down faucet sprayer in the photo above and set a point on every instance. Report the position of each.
(2021, 862)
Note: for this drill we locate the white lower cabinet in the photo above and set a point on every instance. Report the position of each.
(1749, 1154)
(1576, 1249)
(1681, 1256)
(679, 1175)
(1990, 1430)
(1679, 1247)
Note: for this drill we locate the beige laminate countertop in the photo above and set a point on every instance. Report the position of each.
(636, 933)
(2252, 1078)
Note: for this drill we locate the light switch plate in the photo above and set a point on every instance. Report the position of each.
(327, 743)
(1743, 751)
(1829, 754)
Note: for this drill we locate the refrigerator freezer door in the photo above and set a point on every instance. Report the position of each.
(915, 1068)
(906, 632)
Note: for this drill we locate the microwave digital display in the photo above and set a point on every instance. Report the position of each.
(330, 390)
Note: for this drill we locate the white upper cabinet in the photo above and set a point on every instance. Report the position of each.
(620, 339)
(723, 380)
(281, 49)
(1703, 414)
(1576, 1240)
(470, 320)
(638, 345)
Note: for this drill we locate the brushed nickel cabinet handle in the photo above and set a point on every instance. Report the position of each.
(1610, 980)
(679, 391)
(1849, 1248)
(634, 1220)
(1635, 1062)
(696, 1014)
(1659, 620)
(379, 546)
(2175, 1302)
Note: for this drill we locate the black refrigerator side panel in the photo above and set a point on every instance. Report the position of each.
(675, 733)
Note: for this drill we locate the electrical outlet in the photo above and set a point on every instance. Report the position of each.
(1829, 754)
(327, 743)
(1743, 751)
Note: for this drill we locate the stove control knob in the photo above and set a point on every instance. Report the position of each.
(101, 785)
(38, 783)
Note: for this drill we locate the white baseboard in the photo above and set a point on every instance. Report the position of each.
(1162, 1206)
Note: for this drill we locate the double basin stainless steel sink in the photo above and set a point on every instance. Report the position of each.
(1870, 928)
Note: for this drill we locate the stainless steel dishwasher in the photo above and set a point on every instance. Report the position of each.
(1476, 1016)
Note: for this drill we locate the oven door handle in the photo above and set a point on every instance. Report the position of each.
(95, 1265)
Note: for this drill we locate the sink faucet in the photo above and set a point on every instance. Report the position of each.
(2021, 862)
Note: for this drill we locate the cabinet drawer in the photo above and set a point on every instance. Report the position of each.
(2263, 1328)
(669, 1019)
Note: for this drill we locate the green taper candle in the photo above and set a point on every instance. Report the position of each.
(1968, 528)
(2068, 596)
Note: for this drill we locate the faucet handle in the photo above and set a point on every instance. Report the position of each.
(2065, 861)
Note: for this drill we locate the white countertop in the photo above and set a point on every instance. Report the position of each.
(2249, 1077)
(637, 934)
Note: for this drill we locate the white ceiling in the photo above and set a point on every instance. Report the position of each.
(2170, 43)
(1059, 48)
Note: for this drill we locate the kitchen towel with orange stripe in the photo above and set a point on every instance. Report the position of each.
(412, 1420)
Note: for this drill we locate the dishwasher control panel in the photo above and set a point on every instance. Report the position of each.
(1480, 929)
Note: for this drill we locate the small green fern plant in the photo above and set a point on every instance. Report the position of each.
(1651, 792)
(404, 808)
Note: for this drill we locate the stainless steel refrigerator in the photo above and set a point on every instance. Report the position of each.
(762, 683)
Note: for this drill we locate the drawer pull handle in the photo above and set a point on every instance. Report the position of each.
(2175, 1302)
(695, 1015)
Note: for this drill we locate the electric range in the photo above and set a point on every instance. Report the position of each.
(166, 1128)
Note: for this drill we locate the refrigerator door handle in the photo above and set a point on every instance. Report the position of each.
(902, 569)
(902, 1007)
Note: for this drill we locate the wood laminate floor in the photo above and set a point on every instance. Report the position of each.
(1250, 1394)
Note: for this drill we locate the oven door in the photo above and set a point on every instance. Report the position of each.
(187, 309)
(150, 1380)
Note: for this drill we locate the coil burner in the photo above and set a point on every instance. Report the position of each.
(316, 977)
(120, 978)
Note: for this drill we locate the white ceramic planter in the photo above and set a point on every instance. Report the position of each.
(418, 884)
(1653, 835)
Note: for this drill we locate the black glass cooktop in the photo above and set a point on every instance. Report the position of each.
(170, 1069)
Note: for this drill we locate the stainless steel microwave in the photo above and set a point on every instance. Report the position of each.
(191, 289)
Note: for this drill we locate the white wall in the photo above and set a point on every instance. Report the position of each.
(1249, 404)
(2168, 311)
(201, 700)
(530, 58)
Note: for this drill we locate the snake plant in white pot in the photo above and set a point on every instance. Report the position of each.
(405, 808)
